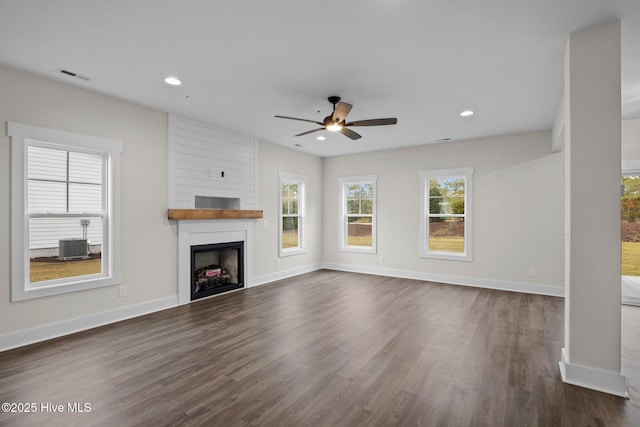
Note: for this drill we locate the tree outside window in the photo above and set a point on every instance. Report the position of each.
(445, 226)
(360, 215)
(358, 219)
(292, 194)
(446, 214)
(290, 218)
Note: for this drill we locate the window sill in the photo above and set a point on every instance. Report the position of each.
(61, 287)
(356, 249)
(292, 252)
(446, 256)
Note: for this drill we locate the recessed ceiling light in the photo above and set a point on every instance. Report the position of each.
(466, 113)
(173, 81)
(321, 138)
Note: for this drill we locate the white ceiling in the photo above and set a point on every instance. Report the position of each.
(244, 61)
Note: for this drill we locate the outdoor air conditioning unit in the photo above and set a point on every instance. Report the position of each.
(73, 248)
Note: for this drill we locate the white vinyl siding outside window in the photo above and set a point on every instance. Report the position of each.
(358, 214)
(292, 210)
(61, 181)
(65, 212)
(445, 212)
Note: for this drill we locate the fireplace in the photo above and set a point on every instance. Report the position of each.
(195, 233)
(216, 268)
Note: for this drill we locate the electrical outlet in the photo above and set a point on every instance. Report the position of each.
(265, 222)
(533, 272)
(122, 291)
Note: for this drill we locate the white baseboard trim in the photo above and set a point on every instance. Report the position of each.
(66, 327)
(595, 379)
(529, 288)
(284, 274)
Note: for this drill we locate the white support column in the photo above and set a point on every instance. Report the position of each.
(592, 354)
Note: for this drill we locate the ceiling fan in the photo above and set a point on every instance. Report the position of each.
(336, 121)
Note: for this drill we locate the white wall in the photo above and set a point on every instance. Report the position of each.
(517, 211)
(148, 239)
(272, 160)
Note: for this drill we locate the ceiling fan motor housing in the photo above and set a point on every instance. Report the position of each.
(329, 121)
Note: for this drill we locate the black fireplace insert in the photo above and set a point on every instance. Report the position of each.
(216, 268)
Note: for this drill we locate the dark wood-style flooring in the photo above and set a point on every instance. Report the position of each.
(328, 349)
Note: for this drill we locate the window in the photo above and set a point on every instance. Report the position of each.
(292, 189)
(65, 212)
(358, 214)
(445, 226)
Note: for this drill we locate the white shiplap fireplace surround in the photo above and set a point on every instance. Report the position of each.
(213, 165)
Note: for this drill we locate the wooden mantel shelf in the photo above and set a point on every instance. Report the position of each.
(204, 214)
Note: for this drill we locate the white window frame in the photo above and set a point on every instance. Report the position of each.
(344, 182)
(23, 136)
(301, 180)
(425, 177)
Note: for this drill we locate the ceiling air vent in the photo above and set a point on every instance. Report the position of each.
(76, 75)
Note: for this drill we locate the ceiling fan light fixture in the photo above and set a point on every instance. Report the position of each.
(336, 127)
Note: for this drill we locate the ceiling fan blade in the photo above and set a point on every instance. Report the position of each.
(341, 111)
(309, 131)
(374, 122)
(302, 120)
(349, 133)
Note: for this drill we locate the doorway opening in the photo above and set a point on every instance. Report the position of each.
(630, 234)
